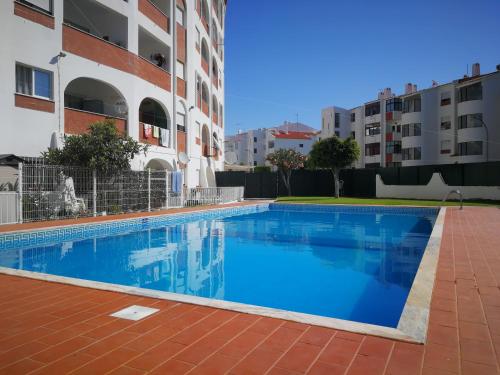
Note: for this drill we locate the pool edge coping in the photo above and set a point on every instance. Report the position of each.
(416, 309)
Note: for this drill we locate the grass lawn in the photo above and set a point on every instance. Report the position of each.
(384, 202)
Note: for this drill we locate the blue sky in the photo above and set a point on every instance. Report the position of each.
(285, 57)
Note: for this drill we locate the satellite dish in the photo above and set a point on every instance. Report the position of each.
(183, 158)
(230, 157)
(121, 107)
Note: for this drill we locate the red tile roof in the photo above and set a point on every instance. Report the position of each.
(294, 135)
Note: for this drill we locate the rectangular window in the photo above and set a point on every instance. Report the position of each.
(270, 144)
(33, 81)
(353, 135)
(254, 150)
(181, 122)
(43, 5)
(394, 105)
(337, 134)
(471, 92)
(372, 129)
(198, 39)
(372, 149)
(372, 109)
(445, 98)
(180, 70)
(337, 120)
(301, 145)
(393, 147)
(412, 153)
(255, 139)
(179, 16)
(446, 147)
(412, 130)
(412, 104)
(353, 116)
(474, 120)
(470, 148)
(445, 123)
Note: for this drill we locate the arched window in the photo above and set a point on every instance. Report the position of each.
(205, 54)
(205, 99)
(215, 109)
(84, 98)
(153, 115)
(205, 141)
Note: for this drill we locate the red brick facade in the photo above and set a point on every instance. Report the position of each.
(77, 122)
(36, 104)
(33, 15)
(204, 108)
(204, 65)
(181, 43)
(181, 141)
(102, 52)
(147, 8)
(181, 88)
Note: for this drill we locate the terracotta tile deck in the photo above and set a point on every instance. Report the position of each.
(49, 328)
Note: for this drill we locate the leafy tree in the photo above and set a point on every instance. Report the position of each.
(334, 154)
(103, 148)
(286, 160)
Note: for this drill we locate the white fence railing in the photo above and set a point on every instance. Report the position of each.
(9, 207)
(48, 192)
(210, 196)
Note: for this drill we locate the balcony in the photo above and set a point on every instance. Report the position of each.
(97, 20)
(87, 101)
(157, 11)
(153, 114)
(110, 49)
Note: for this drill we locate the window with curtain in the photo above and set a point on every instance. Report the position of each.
(34, 82)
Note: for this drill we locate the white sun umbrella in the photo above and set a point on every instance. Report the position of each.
(203, 175)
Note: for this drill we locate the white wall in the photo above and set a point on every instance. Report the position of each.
(436, 189)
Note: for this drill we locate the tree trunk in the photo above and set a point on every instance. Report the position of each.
(336, 182)
(286, 180)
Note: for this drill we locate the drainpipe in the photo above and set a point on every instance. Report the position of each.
(174, 77)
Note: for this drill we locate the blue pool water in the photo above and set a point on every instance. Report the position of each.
(349, 263)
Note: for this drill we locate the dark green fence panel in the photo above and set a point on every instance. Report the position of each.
(359, 182)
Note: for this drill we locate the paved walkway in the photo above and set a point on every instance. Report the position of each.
(48, 328)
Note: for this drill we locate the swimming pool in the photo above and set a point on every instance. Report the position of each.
(351, 263)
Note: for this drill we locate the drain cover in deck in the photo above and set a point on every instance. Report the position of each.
(135, 312)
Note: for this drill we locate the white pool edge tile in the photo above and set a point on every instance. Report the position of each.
(414, 319)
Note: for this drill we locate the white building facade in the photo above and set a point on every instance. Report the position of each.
(252, 147)
(457, 122)
(154, 67)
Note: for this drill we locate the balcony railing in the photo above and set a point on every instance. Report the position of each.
(152, 12)
(77, 121)
(88, 46)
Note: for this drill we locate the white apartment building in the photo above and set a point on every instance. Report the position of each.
(252, 147)
(146, 64)
(457, 122)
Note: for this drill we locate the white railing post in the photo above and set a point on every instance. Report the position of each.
(94, 192)
(166, 189)
(149, 189)
(20, 193)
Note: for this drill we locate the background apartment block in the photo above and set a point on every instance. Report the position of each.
(252, 147)
(457, 122)
(68, 63)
